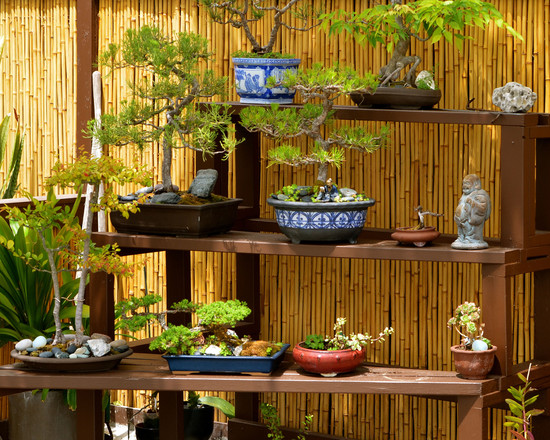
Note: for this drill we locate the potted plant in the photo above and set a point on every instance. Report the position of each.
(71, 249)
(332, 355)
(211, 345)
(320, 212)
(273, 422)
(475, 355)
(420, 234)
(253, 69)
(395, 24)
(163, 108)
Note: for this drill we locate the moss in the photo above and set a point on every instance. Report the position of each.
(190, 199)
(259, 348)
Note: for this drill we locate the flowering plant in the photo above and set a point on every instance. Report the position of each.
(466, 321)
(341, 341)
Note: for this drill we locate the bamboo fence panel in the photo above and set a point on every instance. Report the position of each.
(423, 164)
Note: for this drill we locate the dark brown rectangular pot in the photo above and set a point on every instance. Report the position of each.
(181, 220)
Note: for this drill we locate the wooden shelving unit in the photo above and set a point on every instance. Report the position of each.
(524, 246)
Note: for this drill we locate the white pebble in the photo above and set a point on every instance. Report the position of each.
(39, 342)
(23, 344)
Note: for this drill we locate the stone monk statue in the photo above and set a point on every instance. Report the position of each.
(473, 209)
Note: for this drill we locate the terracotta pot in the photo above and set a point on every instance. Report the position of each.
(418, 237)
(473, 364)
(328, 363)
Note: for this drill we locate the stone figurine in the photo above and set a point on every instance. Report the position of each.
(473, 209)
(514, 98)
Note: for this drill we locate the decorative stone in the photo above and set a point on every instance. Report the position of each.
(167, 198)
(128, 198)
(105, 338)
(73, 356)
(71, 348)
(306, 199)
(81, 350)
(99, 347)
(237, 350)
(159, 188)
(347, 199)
(514, 98)
(282, 197)
(479, 345)
(82, 356)
(119, 345)
(62, 355)
(203, 183)
(39, 342)
(474, 208)
(23, 344)
(56, 350)
(213, 350)
(348, 192)
(46, 354)
(146, 190)
(425, 81)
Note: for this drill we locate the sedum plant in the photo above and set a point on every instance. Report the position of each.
(72, 248)
(466, 321)
(341, 341)
(164, 96)
(396, 23)
(319, 88)
(241, 14)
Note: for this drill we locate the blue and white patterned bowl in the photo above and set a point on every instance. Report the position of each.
(251, 75)
(309, 221)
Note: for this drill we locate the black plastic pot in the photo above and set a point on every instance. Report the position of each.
(198, 423)
(147, 433)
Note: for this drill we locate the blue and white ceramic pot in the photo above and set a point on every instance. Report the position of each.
(331, 221)
(251, 75)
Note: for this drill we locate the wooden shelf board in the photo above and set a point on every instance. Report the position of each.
(150, 371)
(278, 244)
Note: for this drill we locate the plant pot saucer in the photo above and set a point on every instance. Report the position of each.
(403, 98)
(416, 237)
(80, 365)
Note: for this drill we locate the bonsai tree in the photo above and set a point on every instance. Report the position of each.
(163, 104)
(241, 15)
(466, 321)
(324, 86)
(396, 24)
(212, 335)
(72, 249)
(421, 214)
(341, 341)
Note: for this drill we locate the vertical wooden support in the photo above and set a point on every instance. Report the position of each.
(178, 282)
(518, 184)
(542, 219)
(246, 406)
(473, 419)
(497, 316)
(101, 302)
(542, 315)
(89, 418)
(86, 50)
(247, 171)
(171, 415)
(248, 289)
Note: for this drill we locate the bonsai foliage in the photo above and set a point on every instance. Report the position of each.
(319, 88)
(214, 320)
(72, 248)
(466, 322)
(242, 13)
(163, 106)
(341, 341)
(395, 24)
(520, 420)
(273, 422)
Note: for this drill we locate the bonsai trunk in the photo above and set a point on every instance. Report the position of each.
(166, 165)
(399, 60)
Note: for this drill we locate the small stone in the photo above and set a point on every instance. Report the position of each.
(71, 348)
(81, 350)
(166, 198)
(514, 98)
(49, 341)
(197, 353)
(348, 192)
(56, 350)
(425, 81)
(306, 199)
(347, 199)
(479, 345)
(203, 183)
(31, 349)
(46, 354)
(282, 197)
(73, 356)
(62, 355)
(82, 356)
(118, 342)
(304, 191)
(105, 338)
(237, 350)
(128, 198)
(23, 344)
(146, 190)
(99, 347)
(39, 342)
(213, 350)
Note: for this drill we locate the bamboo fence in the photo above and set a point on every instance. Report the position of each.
(424, 164)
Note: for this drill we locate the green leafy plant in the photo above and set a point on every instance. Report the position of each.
(162, 107)
(395, 24)
(323, 85)
(273, 422)
(73, 250)
(341, 341)
(241, 14)
(212, 330)
(520, 420)
(466, 321)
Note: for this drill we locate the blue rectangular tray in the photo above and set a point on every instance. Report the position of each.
(225, 364)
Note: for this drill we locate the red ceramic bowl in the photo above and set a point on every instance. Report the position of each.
(328, 363)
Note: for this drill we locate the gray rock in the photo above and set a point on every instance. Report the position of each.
(282, 197)
(146, 190)
(23, 344)
(81, 356)
(514, 98)
(56, 350)
(99, 347)
(158, 188)
(118, 343)
(71, 348)
(81, 350)
(166, 198)
(304, 191)
(348, 192)
(128, 198)
(306, 199)
(203, 183)
(46, 354)
(106, 338)
(347, 199)
(62, 355)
